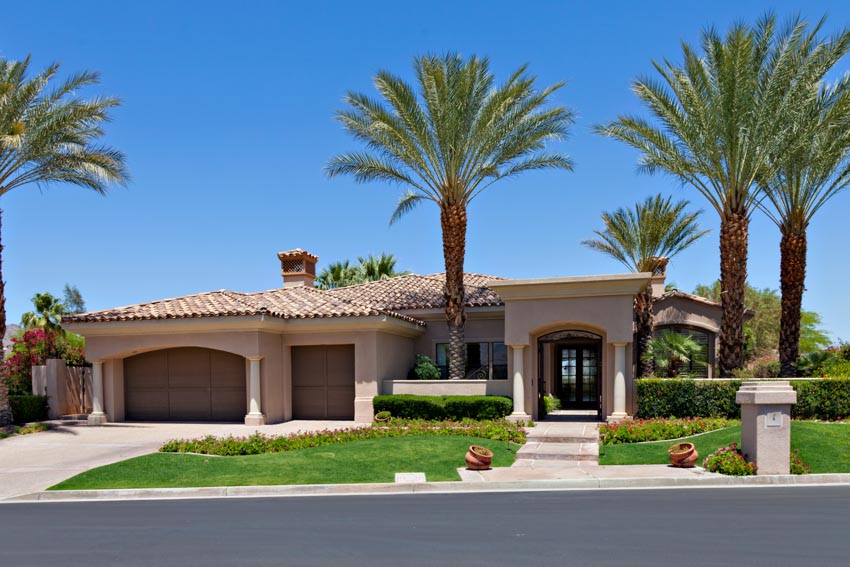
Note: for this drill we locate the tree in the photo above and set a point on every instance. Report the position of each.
(48, 137)
(812, 168)
(448, 142)
(644, 239)
(716, 127)
(74, 299)
(47, 315)
(670, 351)
(369, 268)
(762, 330)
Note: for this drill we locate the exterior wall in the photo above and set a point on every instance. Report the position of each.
(475, 330)
(679, 311)
(448, 387)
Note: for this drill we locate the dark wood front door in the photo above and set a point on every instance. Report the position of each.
(577, 370)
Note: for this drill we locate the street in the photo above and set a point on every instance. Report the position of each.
(738, 526)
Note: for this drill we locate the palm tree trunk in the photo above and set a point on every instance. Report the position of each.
(5, 408)
(792, 283)
(734, 230)
(453, 221)
(643, 330)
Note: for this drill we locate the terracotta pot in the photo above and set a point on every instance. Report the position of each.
(683, 455)
(383, 417)
(478, 458)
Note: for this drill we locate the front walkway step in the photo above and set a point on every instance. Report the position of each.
(534, 437)
(559, 451)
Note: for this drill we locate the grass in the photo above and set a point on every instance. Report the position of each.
(825, 447)
(370, 460)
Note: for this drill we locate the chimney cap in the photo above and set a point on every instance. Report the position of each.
(297, 253)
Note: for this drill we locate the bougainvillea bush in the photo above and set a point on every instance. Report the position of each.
(729, 461)
(35, 347)
(641, 430)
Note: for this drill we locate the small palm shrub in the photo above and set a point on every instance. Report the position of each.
(551, 403)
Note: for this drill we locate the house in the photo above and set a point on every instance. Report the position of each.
(297, 352)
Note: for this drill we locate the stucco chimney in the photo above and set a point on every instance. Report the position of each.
(297, 267)
(659, 274)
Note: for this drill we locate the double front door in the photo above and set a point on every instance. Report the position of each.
(577, 370)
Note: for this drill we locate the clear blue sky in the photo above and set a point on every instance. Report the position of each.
(228, 122)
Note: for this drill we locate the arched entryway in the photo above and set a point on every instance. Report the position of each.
(570, 368)
(184, 384)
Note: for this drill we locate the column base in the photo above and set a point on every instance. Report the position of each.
(97, 418)
(519, 416)
(618, 416)
(255, 419)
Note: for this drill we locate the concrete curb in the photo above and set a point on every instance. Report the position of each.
(428, 488)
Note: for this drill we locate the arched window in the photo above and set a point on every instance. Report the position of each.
(695, 369)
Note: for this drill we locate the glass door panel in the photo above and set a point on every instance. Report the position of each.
(569, 374)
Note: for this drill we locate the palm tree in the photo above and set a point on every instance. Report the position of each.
(47, 315)
(369, 268)
(448, 142)
(811, 170)
(670, 351)
(716, 127)
(51, 136)
(644, 240)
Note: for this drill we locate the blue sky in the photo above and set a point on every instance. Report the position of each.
(228, 121)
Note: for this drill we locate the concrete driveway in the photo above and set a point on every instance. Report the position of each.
(31, 463)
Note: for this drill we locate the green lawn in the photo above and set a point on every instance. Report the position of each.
(825, 447)
(370, 460)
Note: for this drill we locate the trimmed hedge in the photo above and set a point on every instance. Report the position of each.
(28, 408)
(409, 406)
(827, 399)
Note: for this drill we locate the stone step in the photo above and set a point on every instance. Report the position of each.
(559, 451)
(566, 438)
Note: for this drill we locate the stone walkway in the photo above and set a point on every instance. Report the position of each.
(565, 445)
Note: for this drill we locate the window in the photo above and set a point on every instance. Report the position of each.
(484, 361)
(696, 369)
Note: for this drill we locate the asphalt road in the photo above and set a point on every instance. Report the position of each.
(799, 526)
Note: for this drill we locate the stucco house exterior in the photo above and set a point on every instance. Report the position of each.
(297, 352)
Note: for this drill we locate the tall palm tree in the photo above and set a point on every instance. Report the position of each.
(448, 142)
(644, 239)
(337, 274)
(368, 269)
(381, 267)
(716, 126)
(51, 136)
(812, 169)
(47, 315)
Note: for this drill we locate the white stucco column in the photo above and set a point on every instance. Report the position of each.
(97, 415)
(255, 415)
(519, 383)
(619, 382)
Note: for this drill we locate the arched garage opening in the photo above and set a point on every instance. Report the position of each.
(184, 384)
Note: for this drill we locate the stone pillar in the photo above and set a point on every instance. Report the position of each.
(766, 425)
(519, 413)
(255, 415)
(619, 382)
(97, 415)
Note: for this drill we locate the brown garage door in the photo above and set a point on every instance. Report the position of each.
(184, 384)
(323, 382)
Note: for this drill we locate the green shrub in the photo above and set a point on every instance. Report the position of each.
(409, 406)
(640, 431)
(797, 465)
(729, 461)
(837, 368)
(424, 369)
(551, 403)
(816, 399)
(256, 444)
(28, 408)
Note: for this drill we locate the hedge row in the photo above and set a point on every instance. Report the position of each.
(28, 408)
(409, 406)
(827, 399)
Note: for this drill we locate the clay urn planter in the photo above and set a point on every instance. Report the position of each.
(478, 458)
(383, 417)
(683, 455)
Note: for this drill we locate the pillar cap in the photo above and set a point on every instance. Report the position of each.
(254, 357)
(766, 393)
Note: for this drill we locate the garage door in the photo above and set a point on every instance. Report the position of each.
(184, 384)
(323, 382)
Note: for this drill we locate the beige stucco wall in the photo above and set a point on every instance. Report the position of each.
(448, 387)
(476, 329)
(680, 311)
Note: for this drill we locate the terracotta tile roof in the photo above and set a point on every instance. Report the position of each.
(413, 291)
(386, 297)
(289, 303)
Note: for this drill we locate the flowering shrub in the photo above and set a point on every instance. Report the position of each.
(35, 347)
(797, 465)
(642, 430)
(256, 444)
(729, 461)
